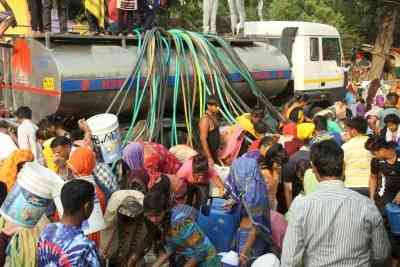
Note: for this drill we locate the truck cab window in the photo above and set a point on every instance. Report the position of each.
(331, 50)
(314, 49)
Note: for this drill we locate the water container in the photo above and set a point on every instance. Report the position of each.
(106, 137)
(31, 195)
(393, 214)
(95, 223)
(218, 224)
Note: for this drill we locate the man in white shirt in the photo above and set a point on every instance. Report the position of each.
(7, 143)
(27, 133)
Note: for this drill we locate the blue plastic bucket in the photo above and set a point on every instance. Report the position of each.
(218, 224)
(106, 137)
(393, 214)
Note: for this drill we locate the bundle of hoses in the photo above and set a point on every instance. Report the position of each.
(201, 64)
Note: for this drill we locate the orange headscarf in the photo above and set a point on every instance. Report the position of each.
(9, 170)
(82, 161)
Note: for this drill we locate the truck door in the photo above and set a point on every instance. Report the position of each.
(310, 80)
(332, 75)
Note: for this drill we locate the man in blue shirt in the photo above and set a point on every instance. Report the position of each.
(63, 244)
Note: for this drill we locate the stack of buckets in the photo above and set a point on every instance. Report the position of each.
(393, 214)
(31, 195)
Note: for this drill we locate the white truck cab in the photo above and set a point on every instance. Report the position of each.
(314, 51)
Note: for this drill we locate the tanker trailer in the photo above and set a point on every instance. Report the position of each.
(80, 75)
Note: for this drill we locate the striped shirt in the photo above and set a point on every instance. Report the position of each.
(334, 226)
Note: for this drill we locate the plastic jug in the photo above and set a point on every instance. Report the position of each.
(393, 214)
(218, 224)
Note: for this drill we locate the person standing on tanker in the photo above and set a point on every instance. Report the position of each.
(209, 131)
(210, 10)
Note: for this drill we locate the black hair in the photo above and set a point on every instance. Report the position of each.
(155, 202)
(75, 194)
(321, 123)
(373, 142)
(3, 192)
(163, 186)
(295, 114)
(258, 111)
(56, 120)
(212, 100)
(267, 141)
(393, 118)
(23, 113)
(60, 141)
(77, 134)
(327, 158)
(44, 124)
(4, 124)
(276, 154)
(385, 145)
(301, 167)
(261, 127)
(43, 134)
(392, 98)
(358, 123)
(349, 113)
(200, 164)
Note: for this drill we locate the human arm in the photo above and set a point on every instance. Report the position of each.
(294, 244)
(191, 263)
(288, 192)
(23, 142)
(373, 185)
(162, 259)
(396, 200)
(251, 239)
(380, 244)
(87, 139)
(204, 126)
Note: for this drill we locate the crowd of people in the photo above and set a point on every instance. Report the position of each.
(310, 191)
(111, 16)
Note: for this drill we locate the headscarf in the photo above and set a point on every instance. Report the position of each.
(133, 155)
(246, 184)
(9, 170)
(82, 161)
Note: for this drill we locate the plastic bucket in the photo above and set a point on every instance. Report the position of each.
(218, 224)
(393, 214)
(106, 137)
(31, 195)
(223, 173)
(95, 223)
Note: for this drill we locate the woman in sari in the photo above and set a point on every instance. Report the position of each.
(180, 234)
(148, 161)
(247, 189)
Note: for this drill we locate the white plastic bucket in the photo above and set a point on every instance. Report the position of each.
(223, 173)
(106, 136)
(95, 223)
(31, 195)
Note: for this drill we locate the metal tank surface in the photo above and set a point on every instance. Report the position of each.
(79, 75)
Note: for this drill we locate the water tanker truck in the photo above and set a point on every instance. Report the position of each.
(80, 75)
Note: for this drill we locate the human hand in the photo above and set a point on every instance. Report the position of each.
(229, 204)
(243, 259)
(83, 125)
(396, 200)
(10, 228)
(132, 261)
